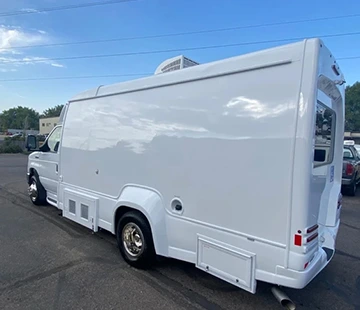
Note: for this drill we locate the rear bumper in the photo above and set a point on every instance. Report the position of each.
(299, 279)
(346, 182)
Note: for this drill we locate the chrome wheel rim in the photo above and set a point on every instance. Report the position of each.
(32, 190)
(132, 238)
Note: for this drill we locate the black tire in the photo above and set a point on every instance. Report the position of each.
(40, 197)
(146, 256)
(352, 188)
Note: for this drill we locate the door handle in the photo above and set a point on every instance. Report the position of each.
(36, 156)
(57, 168)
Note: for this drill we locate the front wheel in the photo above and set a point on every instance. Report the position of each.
(36, 191)
(135, 240)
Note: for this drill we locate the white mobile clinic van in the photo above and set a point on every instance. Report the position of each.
(234, 165)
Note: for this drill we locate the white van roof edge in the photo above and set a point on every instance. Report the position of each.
(202, 71)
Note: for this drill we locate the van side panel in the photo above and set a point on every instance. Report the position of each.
(222, 147)
(218, 144)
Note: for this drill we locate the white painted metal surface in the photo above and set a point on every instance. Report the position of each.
(81, 208)
(47, 165)
(233, 143)
(227, 262)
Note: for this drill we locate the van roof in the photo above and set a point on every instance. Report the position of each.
(259, 59)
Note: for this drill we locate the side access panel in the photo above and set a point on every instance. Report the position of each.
(81, 208)
(226, 262)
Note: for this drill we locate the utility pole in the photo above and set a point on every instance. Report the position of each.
(26, 124)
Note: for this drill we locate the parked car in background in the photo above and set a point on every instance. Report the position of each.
(351, 168)
(357, 146)
(16, 135)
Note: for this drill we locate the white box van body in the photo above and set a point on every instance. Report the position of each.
(218, 159)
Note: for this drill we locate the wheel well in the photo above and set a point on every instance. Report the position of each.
(32, 172)
(120, 211)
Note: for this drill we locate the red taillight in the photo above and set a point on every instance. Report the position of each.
(297, 240)
(306, 264)
(349, 169)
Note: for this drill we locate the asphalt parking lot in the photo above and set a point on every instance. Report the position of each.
(48, 262)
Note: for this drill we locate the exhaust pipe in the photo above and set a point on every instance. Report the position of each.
(283, 299)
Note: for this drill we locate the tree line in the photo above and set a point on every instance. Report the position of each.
(352, 108)
(27, 118)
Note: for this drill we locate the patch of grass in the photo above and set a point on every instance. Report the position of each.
(10, 147)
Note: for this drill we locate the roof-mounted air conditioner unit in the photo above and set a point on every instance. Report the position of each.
(175, 63)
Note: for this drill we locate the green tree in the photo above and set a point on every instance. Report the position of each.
(19, 118)
(53, 112)
(352, 107)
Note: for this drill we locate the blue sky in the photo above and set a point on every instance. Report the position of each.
(145, 18)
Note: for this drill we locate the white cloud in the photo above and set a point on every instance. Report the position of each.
(39, 60)
(29, 10)
(57, 65)
(4, 70)
(13, 37)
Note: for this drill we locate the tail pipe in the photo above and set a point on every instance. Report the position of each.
(283, 299)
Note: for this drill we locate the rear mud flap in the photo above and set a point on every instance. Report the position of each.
(329, 253)
(328, 239)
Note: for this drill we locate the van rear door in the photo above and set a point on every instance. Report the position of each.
(327, 166)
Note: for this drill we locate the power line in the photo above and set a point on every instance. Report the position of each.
(61, 8)
(109, 75)
(348, 58)
(184, 33)
(178, 49)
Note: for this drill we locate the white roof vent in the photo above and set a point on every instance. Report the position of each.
(175, 63)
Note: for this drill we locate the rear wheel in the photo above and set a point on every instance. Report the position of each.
(352, 188)
(36, 191)
(135, 240)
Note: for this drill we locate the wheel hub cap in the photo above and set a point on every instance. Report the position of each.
(32, 190)
(132, 238)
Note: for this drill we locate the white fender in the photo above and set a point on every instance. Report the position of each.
(149, 202)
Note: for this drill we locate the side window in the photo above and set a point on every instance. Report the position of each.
(324, 134)
(54, 140)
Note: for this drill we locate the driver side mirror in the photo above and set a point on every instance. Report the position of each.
(31, 143)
